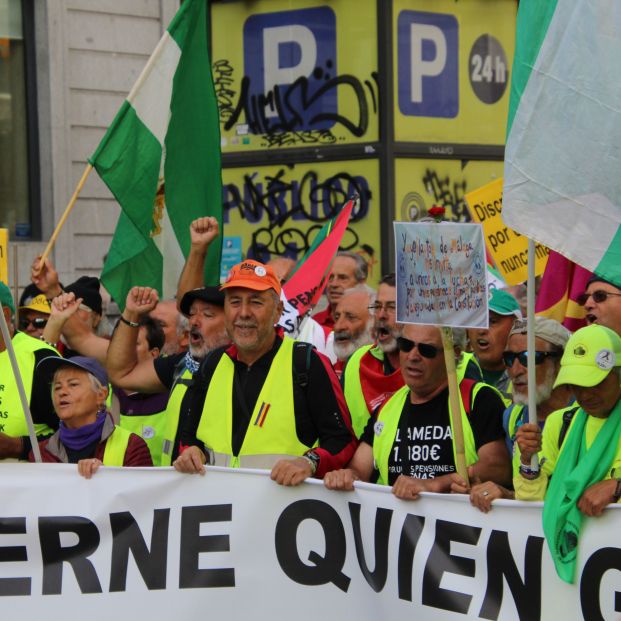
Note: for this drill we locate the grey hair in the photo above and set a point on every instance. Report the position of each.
(182, 326)
(361, 271)
(361, 288)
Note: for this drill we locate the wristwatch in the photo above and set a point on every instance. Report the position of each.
(313, 459)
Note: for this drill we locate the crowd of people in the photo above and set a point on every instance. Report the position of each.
(211, 379)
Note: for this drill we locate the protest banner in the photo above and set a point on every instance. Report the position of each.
(508, 248)
(441, 274)
(234, 544)
(4, 256)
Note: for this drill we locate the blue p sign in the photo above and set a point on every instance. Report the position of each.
(289, 60)
(427, 57)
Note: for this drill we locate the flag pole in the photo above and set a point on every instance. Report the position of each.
(454, 402)
(4, 328)
(530, 343)
(61, 222)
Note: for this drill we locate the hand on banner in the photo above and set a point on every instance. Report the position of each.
(141, 300)
(340, 479)
(191, 461)
(88, 467)
(291, 472)
(203, 231)
(408, 488)
(528, 438)
(597, 497)
(482, 495)
(45, 278)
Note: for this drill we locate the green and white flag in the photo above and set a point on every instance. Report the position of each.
(562, 179)
(161, 160)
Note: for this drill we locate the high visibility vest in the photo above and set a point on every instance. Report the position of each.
(152, 428)
(515, 411)
(353, 392)
(388, 423)
(12, 419)
(170, 419)
(116, 447)
(271, 433)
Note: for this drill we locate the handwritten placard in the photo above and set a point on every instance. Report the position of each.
(441, 274)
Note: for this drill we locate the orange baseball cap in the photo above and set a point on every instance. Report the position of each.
(251, 274)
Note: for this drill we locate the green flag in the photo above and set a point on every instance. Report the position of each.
(161, 160)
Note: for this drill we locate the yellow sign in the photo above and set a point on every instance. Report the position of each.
(4, 256)
(278, 210)
(295, 73)
(507, 247)
(452, 63)
(421, 184)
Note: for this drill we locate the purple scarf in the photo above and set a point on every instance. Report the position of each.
(80, 438)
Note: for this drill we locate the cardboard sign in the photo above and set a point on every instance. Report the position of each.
(441, 278)
(4, 256)
(508, 248)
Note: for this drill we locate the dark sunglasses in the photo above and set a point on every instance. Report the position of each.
(37, 323)
(522, 356)
(424, 349)
(598, 296)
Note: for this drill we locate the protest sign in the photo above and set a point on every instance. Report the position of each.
(441, 274)
(236, 545)
(508, 248)
(4, 256)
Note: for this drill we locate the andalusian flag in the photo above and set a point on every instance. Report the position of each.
(563, 155)
(161, 160)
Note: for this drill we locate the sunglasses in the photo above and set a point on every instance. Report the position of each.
(424, 349)
(38, 323)
(522, 356)
(598, 296)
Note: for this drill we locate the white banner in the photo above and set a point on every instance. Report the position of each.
(155, 544)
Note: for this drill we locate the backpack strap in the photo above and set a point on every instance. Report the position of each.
(302, 353)
(567, 418)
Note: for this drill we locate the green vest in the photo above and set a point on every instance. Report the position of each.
(152, 428)
(271, 433)
(388, 423)
(116, 446)
(12, 419)
(353, 391)
(168, 423)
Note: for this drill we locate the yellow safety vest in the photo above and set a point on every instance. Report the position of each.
(116, 447)
(12, 419)
(169, 422)
(388, 423)
(353, 391)
(271, 433)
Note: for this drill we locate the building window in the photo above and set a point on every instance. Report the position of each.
(15, 213)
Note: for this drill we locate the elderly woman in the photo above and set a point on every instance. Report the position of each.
(87, 434)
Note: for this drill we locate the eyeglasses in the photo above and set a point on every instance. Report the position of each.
(389, 307)
(38, 323)
(522, 357)
(424, 349)
(598, 296)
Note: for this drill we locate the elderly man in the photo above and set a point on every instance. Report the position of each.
(411, 442)
(348, 271)
(352, 325)
(587, 471)
(174, 325)
(203, 307)
(373, 372)
(14, 439)
(550, 340)
(266, 401)
(602, 303)
(488, 344)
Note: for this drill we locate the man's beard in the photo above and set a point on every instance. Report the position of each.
(344, 349)
(543, 392)
(389, 346)
(198, 352)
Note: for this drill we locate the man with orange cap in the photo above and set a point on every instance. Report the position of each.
(266, 401)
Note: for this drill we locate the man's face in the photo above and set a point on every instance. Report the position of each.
(341, 278)
(599, 400)
(606, 313)
(351, 322)
(545, 372)
(33, 322)
(250, 317)
(385, 317)
(143, 352)
(165, 313)
(489, 344)
(424, 376)
(207, 331)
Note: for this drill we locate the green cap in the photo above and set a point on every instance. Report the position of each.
(503, 303)
(590, 354)
(6, 297)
